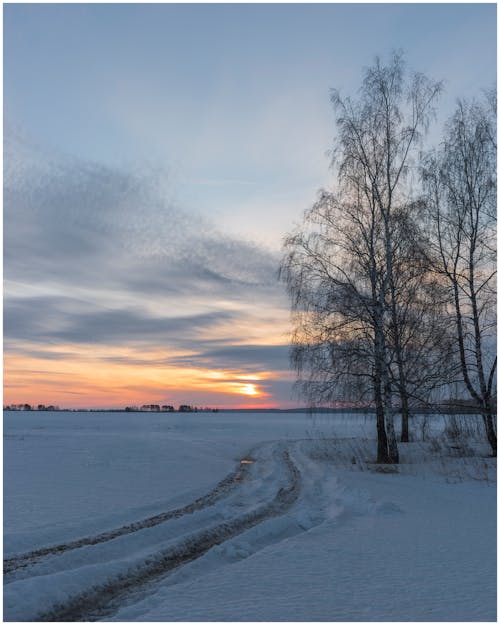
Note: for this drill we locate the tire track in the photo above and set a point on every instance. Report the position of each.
(104, 600)
(223, 488)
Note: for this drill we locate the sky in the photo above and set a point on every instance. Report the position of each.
(154, 158)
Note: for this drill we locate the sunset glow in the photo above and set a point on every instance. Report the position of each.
(111, 377)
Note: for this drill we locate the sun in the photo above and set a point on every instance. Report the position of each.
(249, 389)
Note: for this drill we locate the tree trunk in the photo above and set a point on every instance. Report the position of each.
(382, 450)
(392, 444)
(405, 414)
(490, 430)
(379, 380)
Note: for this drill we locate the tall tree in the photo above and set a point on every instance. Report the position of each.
(460, 180)
(341, 277)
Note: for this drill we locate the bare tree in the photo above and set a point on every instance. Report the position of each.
(333, 267)
(418, 333)
(341, 277)
(460, 180)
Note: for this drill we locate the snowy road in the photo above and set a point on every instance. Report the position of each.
(245, 498)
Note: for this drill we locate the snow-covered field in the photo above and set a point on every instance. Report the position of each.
(243, 517)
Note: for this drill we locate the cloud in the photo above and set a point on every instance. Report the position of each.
(81, 223)
(96, 256)
(241, 357)
(65, 320)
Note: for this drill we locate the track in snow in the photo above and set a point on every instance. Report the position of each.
(224, 487)
(103, 600)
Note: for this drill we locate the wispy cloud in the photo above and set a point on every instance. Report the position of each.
(97, 256)
(242, 357)
(49, 320)
(81, 223)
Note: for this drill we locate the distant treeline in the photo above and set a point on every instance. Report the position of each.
(143, 408)
(451, 407)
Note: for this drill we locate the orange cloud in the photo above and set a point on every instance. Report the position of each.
(104, 376)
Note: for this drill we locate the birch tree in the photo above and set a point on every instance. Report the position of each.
(460, 180)
(343, 274)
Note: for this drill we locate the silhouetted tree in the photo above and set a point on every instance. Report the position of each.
(340, 269)
(460, 180)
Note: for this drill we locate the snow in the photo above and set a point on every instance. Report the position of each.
(309, 530)
(389, 563)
